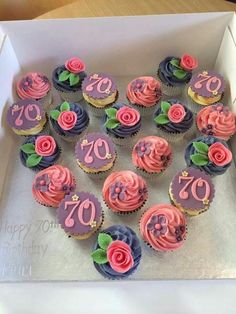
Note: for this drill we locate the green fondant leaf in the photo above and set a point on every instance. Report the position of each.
(65, 106)
(104, 240)
(28, 148)
(99, 256)
(161, 119)
(165, 106)
(64, 76)
(199, 159)
(175, 62)
(54, 114)
(33, 160)
(180, 74)
(74, 79)
(112, 123)
(111, 113)
(201, 148)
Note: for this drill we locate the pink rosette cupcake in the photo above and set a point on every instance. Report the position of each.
(35, 85)
(163, 227)
(52, 184)
(124, 192)
(151, 156)
(216, 120)
(144, 93)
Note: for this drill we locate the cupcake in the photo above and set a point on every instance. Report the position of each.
(80, 215)
(144, 93)
(151, 156)
(163, 227)
(117, 252)
(192, 191)
(52, 184)
(122, 123)
(174, 73)
(173, 120)
(205, 88)
(100, 92)
(124, 192)
(216, 120)
(26, 117)
(69, 121)
(208, 154)
(95, 154)
(67, 79)
(34, 85)
(39, 152)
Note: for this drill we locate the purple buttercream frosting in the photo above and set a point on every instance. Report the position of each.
(95, 150)
(188, 182)
(79, 213)
(99, 85)
(25, 114)
(207, 84)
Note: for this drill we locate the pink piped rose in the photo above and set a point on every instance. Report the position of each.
(188, 62)
(67, 120)
(176, 113)
(219, 154)
(75, 65)
(127, 116)
(119, 256)
(45, 145)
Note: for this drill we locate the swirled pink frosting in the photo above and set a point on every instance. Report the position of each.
(218, 120)
(33, 85)
(152, 154)
(144, 90)
(169, 233)
(124, 191)
(59, 182)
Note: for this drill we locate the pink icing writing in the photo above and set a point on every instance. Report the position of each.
(183, 194)
(209, 80)
(99, 81)
(94, 147)
(26, 111)
(85, 205)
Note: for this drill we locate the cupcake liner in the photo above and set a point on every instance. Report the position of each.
(176, 137)
(97, 112)
(127, 141)
(152, 176)
(120, 213)
(145, 111)
(46, 101)
(171, 90)
(70, 96)
(100, 111)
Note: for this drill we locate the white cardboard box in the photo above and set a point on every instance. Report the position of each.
(125, 47)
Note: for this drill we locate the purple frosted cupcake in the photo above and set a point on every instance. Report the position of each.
(100, 92)
(122, 123)
(39, 152)
(173, 120)
(80, 215)
(117, 252)
(69, 121)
